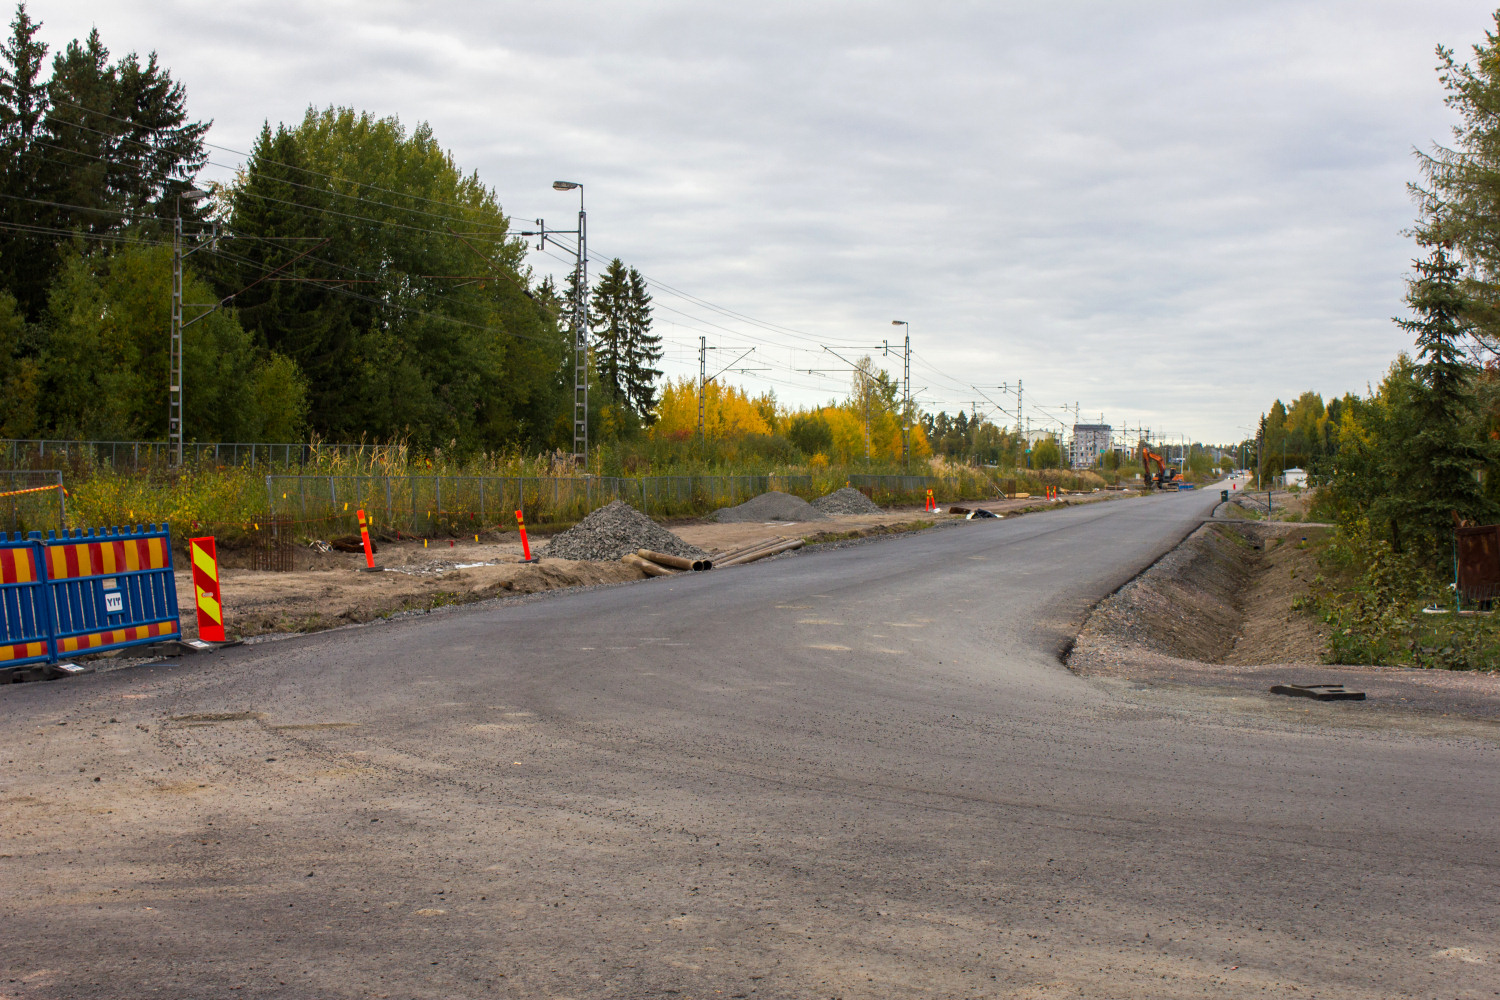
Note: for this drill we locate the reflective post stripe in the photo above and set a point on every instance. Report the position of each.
(206, 588)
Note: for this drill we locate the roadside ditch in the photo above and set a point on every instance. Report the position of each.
(1217, 613)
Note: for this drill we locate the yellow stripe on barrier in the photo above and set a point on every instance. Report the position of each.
(207, 603)
(132, 558)
(202, 561)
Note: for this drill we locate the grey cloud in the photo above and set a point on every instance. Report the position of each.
(1170, 212)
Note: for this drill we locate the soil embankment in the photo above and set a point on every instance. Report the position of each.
(1216, 612)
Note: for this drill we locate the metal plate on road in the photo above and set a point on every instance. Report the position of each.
(1321, 692)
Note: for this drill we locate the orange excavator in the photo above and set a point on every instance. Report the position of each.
(1164, 476)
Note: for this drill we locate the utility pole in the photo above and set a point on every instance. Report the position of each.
(174, 373)
(580, 320)
(702, 383)
(905, 391)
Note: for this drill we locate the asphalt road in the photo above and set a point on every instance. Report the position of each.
(849, 773)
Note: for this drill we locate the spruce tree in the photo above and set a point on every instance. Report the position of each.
(643, 349)
(610, 319)
(1431, 476)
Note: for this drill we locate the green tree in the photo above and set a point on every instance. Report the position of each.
(398, 289)
(1460, 200)
(105, 364)
(1045, 454)
(643, 351)
(609, 319)
(97, 149)
(1434, 460)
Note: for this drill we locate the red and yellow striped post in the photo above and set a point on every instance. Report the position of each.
(364, 535)
(206, 588)
(525, 545)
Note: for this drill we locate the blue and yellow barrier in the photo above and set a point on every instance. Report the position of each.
(85, 593)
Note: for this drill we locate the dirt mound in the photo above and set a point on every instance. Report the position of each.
(610, 532)
(847, 501)
(772, 506)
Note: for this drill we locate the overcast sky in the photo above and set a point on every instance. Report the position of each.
(1169, 213)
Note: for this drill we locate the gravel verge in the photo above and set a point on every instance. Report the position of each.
(847, 501)
(772, 506)
(611, 532)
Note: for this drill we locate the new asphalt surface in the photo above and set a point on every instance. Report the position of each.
(856, 772)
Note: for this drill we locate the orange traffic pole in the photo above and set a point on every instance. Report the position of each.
(364, 534)
(205, 559)
(525, 545)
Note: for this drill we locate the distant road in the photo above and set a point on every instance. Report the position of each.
(850, 773)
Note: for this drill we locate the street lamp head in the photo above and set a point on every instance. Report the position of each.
(192, 194)
(898, 322)
(565, 185)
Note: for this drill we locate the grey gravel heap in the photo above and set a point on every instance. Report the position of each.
(847, 501)
(611, 532)
(772, 506)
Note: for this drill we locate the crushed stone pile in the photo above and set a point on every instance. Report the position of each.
(772, 506)
(847, 501)
(611, 532)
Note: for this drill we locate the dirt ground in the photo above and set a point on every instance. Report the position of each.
(326, 589)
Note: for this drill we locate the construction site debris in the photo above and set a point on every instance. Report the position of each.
(614, 531)
(350, 543)
(772, 506)
(846, 501)
(1318, 692)
(646, 565)
(754, 552)
(674, 562)
(980, 512)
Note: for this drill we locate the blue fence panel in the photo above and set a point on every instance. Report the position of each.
(25, 612)
(110, 589)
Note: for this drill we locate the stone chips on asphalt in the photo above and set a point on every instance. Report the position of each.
(847, 501)
(611, 532)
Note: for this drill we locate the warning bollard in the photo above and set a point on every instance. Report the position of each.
(205, 559)
(364, 536)
(525, 545)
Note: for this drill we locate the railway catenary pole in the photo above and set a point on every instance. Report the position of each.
(580, 320)
(905, 391)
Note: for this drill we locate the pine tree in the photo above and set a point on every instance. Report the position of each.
(643, 349)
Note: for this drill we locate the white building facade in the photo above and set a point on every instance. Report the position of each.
(1089, 442)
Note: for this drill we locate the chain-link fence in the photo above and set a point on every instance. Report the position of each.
(32, 500)
(425, 505)
(36, 453)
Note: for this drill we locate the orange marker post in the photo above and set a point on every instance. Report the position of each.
(525, 545)
(364, 535)
(205, 558)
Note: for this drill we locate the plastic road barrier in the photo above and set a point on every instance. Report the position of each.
(25, 616)
(205, 556)
(85, 592)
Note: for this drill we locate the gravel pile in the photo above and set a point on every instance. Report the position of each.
(847, 501)
(772, 506)
(611, 532)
